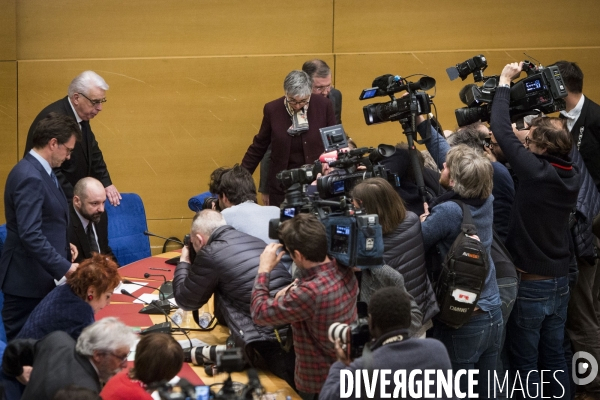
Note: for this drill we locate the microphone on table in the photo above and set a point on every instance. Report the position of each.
(170, 261)
(171, 239)
(163, 302)
(166, 288)
(164, 327)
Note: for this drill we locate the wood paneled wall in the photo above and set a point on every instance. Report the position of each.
(188, 79)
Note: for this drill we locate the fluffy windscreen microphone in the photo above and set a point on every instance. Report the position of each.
(382, 82)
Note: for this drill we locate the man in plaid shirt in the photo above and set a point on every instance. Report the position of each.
(326, 293)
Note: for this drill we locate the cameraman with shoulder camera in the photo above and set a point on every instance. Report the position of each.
(326, 293)
(391, 347)
(237, 201)
(538, 238)
(225, 264)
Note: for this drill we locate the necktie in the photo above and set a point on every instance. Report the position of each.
(53, 176)
(92, 238)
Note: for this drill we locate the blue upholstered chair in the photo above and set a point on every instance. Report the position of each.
(195, 203)
(126, 226)
(2, 236)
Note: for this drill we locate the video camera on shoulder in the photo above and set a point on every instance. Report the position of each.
(542, 90)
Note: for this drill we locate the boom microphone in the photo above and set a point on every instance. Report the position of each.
(164, 327)
(166, 288)
(162, 237)
(161, 294)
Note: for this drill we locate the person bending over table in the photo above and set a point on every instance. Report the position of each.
(71, 307)
(291, 127)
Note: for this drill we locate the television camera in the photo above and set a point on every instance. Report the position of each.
(354, 238)
(542, 90)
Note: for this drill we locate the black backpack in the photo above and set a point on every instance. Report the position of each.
(463, 274)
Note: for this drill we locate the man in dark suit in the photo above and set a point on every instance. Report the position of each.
(320, 73)
(37, 251)
(86, 95)
(58, 361)
(583, 118)
(88, 227)
(583, 322)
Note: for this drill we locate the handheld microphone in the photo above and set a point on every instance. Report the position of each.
(162, 237)
(164, 327)
(161, 294)
(166, 288)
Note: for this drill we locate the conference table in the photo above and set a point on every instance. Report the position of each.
(126, 309)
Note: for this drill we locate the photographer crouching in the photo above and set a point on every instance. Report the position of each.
(538, 239)
(391, 348)
(224, 262)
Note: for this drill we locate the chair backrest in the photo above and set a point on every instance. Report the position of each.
(195, 203)
(2, 237)
(126, 226)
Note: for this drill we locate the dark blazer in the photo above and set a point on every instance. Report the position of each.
(86, 159)
(37, 245)
(336, 99)
(273, 131)
(55, 365)
(78, 237)
(588, 126)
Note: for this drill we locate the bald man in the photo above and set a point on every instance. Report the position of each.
(88, 229)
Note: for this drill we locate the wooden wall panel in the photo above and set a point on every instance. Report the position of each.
(356, 72)
(8, 30)
(8, 125)
(398, 26)
(168, 123)
(156, 28)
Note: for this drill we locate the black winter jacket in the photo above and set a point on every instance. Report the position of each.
(588, 206)
(227, 267)
(403, 251)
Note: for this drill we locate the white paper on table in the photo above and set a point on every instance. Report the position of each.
(150, 297)
(195, 343)
(131, 288)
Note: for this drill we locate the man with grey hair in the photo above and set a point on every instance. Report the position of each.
(225, 264)
(291, 127)
(86, 95)
(58, 361)
(320, 73)
(88, 225)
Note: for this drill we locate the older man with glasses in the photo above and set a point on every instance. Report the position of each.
(57, 361)
(86, 95)
(291, 126)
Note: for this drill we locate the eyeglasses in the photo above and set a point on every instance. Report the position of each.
(122, 359)
(69, 149)
(321, 89)
(298, 102)
(94, 102)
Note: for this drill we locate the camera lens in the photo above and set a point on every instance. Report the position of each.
(337, 330)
